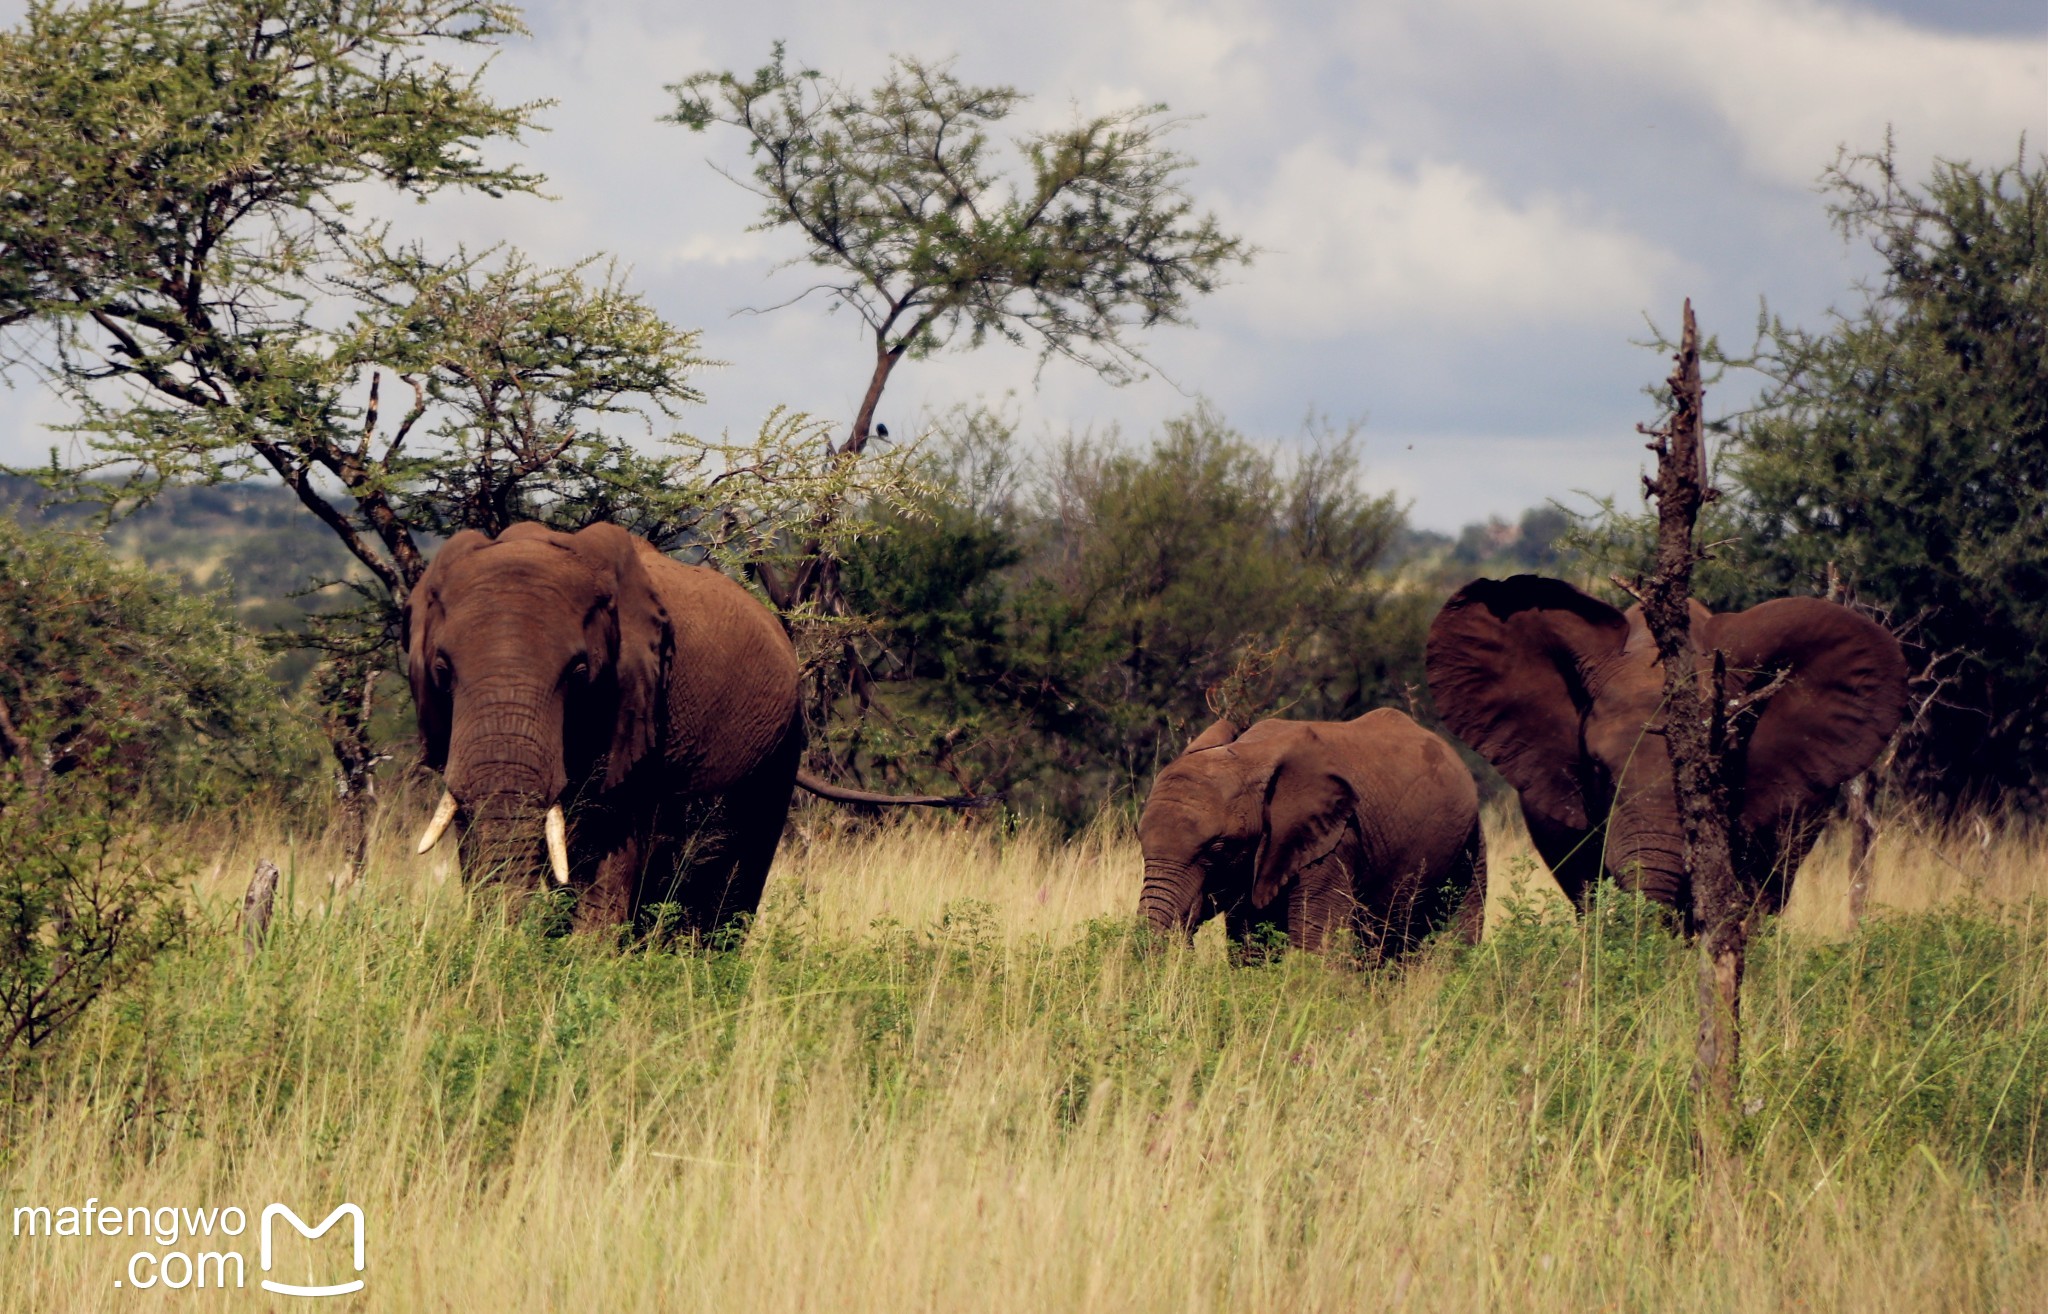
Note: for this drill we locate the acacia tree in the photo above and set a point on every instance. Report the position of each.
(1905, 449)
(183, 257)
(898, 197)
(1899, 456)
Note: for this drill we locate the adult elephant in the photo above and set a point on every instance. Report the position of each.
(1564, 695)
(605, 712)
(1309, 826)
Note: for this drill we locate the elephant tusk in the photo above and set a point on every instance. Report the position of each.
(443, 814)
(558, 844)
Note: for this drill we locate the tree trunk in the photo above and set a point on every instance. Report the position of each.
(815, 579)
(1862, 839)
(347, 687)
(257, 906)
(1698, 733)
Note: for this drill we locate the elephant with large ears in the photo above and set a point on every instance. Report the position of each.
(1312, 826)
(609, 714)
(1564, 695)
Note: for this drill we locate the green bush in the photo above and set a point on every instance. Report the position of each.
(109, 668)
(1902, 452)
(1061, 632)
(123, 703)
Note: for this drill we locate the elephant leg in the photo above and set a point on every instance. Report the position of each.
(1428, 894)
(1323, 900)
(608, 900)
(1467, 886)
(1407, 908)
(720, 877)
(1766, 859)
(730, 886)
(1457, 897)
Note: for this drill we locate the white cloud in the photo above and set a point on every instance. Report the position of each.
(719, 249)
(1424, 175)
(1453, 479)
(1361, 243)
(1794, 79)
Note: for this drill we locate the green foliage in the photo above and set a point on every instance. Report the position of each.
(251, 544)
(1908, 445)
(1062, 632)
(1906, 448)
(1606, 541)
(899, 198)
(108, 668)
(122, 701)
(1919, 1020)
(181, 257)
(84, 903)
(1920, 1041)
(1920, 1036)
(896, 192)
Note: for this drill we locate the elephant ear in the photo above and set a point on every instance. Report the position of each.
(1844, 695)
(645, 642)
(1308, 807)
(424, 610)
(1510, 664)
(1215, 736)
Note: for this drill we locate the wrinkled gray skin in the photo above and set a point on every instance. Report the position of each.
(656, 701)
(1564, 695)
(1313, 826)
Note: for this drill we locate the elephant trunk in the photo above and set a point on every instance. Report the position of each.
(507, 774)
(1647, 854)
(1172, 895)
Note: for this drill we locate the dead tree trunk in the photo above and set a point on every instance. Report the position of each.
(1862, 818)
(257, 905)
(1698, 729)
(1862, 840)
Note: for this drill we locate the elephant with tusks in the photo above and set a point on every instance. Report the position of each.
(610, 716)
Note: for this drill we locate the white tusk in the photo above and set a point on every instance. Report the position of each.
(443, 814)
(558, 844)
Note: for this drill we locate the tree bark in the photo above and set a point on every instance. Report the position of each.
(257, 906)
(1698, 735)
(348, 687)
(1862, 838)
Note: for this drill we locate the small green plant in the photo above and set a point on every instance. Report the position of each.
(83, 905)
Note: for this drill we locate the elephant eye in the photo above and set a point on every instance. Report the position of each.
(579, 669)
(442, 669)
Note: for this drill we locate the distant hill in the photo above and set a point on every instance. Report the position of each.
(253, 542)
(1495, 547)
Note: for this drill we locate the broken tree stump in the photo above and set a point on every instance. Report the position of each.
(257, 906)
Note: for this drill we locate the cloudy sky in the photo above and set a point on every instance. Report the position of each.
(1466, 208)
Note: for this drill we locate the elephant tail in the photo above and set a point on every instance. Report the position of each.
(840, 794)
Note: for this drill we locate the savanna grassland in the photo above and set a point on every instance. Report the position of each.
(946, 1072)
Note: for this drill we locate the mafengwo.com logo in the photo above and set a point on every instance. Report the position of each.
(178, 1248)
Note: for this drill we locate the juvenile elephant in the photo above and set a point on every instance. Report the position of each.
(1564, 695)
(605, 712)
(1309, 826)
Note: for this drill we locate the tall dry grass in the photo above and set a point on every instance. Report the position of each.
(944, 1073)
